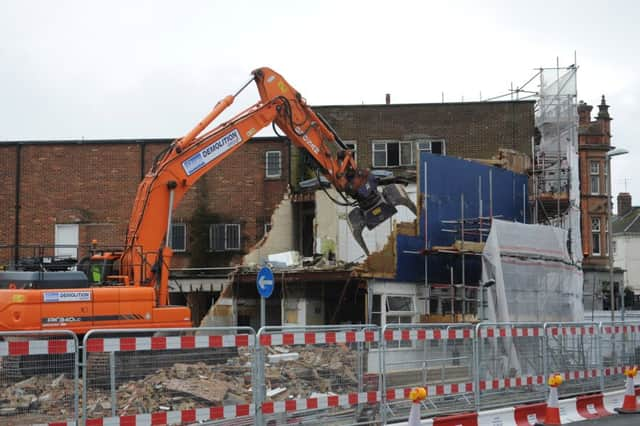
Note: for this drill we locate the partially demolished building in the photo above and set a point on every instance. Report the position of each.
(253, 206)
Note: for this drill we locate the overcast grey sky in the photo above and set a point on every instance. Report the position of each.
(116, 69)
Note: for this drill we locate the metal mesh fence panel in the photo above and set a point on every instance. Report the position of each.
(38, 377)
(619, 348)
(510, 364)
(438, 357)
(572, 351)
(174, 376)
(315, 375)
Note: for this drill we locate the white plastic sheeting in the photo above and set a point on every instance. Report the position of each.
(557, 120)
(536, 280)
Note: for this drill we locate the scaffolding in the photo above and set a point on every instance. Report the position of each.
(554, 190)
(555, 185)
(555, 198)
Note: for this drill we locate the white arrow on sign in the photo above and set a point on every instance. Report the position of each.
(263, 281)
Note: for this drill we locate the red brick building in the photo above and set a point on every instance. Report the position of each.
(382, 134)
(57, 189)
(594, 138)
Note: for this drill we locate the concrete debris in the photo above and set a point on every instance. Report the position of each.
(275, 358)
(307, 371)
(285, 259)
(273, 392)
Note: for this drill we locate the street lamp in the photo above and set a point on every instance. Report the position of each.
(612, 153)
(487, 284)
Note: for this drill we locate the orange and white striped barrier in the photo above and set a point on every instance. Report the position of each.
(629, 403)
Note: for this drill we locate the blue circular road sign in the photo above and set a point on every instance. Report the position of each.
(265, 282)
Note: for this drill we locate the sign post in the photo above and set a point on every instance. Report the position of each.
(265, 284)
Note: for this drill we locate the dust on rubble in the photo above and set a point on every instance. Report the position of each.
(304, 372)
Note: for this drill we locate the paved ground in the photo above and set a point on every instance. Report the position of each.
(618, 420)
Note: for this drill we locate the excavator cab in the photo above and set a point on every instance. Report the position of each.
(98, 267)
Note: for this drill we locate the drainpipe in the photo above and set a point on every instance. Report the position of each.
(142, 153)
(16, 237)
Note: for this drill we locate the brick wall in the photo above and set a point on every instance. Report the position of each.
(472, 129)
(7, 197)
(93, 184)
(594, 139)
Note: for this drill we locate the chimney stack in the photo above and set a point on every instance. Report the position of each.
(584, 112)
(624, 203)
(388, 99)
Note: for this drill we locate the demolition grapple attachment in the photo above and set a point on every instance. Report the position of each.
(374, 207)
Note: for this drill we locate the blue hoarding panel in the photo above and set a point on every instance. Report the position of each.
(457, 187)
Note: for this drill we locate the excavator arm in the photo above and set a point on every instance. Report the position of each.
(146, 258)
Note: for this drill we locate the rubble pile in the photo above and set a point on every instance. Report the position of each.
(290, 372)
(180, 387)
(49, 394)
(317, 370)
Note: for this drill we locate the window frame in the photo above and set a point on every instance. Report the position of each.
(414, 147)
(596, 226)
(226, 227)
(387, 313)
(184, 237)
(594, 177)
(266, 165)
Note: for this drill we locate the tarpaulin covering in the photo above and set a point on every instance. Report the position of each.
(535, 277)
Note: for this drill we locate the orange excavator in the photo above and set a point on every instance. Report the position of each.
(129, 288)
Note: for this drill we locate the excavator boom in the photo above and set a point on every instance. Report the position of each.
(146, 256)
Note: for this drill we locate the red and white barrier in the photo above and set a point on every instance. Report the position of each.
(428, 334)
(169, 342)
(176, 417)
(527, 415)
(324, 401)
(591, 406)
(37, 347)
(571, 331)
(511, 332)
(465, 419)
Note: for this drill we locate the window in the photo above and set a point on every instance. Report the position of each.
(393, 153)
(273, 164)
(400, 310)
(595, 236)
(66, 240)
(178, 237)
(224, 237)
(353, 147)
(594, 177)
(435, 146)
(376, 310)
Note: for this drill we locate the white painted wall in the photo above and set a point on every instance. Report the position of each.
(279, 239)
(627, 256)
(332, 227)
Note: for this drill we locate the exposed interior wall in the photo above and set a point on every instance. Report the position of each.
(325, 227)
(279, 239)
(332, 229)
(222, 313)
